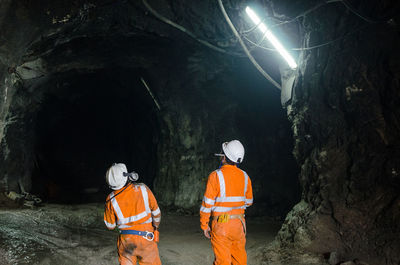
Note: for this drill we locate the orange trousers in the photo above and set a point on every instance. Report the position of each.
(133, 248)
(228, 242)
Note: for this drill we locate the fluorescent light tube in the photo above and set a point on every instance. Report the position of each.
(274, 41)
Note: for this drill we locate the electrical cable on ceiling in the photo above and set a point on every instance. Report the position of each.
(259, 68)
(344, 2)
(253, 28)
(258, 45)
(243, 33)
(352, 9)
(332, 41)
(151, 93)
(305, 13)
(183, 29)
(357, 13)
(306, 48)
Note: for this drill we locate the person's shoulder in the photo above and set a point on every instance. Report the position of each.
(213, 173)
(244, 172)
(212, 176)
(109, 196)
(142, 185)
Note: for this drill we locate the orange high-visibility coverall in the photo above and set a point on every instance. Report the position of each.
(135, 208)
(228, 191)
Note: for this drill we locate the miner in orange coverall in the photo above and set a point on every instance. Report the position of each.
(228, 194)
(133, 209)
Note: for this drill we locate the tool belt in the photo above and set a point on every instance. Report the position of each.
(224, 218)
(145, 234)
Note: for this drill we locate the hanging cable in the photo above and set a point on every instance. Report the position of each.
(259, 68)
(183, 29)
(332, 41)
(253, 28)
(151, 93)
(258, 45)
(305, 12)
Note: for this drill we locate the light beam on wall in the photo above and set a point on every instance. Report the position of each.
(274, 41)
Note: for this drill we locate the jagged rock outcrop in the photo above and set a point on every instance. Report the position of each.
(345, 121)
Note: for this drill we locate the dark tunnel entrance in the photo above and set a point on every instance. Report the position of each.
(91, 110)
(87, 122)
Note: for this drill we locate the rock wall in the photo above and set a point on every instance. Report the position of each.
(206, 96)
(214, 103)
(345, 117)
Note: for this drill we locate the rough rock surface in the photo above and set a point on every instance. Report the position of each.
(345, 121)
(58, 53)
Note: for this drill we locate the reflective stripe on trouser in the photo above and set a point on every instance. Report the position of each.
(133, 248)
(228, 242)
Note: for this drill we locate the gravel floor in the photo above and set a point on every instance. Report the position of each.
(75, 234)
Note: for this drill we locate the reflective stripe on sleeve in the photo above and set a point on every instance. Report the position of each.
(145, 198)
(221, 183)
(249, 201)
(208, 201)
(205, 209)
(157, 220)
(156, 212)
(111, 226)
(246, 181)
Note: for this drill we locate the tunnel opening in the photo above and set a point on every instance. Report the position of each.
(93, 111)
(88, 121)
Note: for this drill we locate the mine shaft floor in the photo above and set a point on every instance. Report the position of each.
(75, 234)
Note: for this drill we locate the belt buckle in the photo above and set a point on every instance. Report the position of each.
(149, 236)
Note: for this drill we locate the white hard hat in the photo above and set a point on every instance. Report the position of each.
(234, 150)
(115, 176)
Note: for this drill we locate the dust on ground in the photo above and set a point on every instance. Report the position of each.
(75, 234)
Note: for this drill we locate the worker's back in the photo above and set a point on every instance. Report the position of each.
(131, 201)
(234, 179)
(131, 208)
